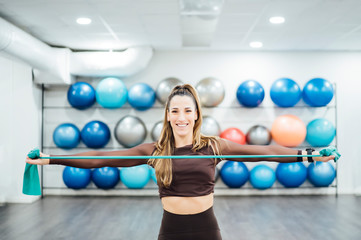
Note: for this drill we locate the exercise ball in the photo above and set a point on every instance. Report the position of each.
(141, 96)
(211, 92)
(95, 134)
(258, 135)
(111, 93)
(234, 135)
(216, 174)
(210, 126)
(105, 177)
(285, 92)
(262, 177)
(291, 175)
(130, 131)
(165, 87)
(321, 174)
(81, 95)
(250, 93)
(320, 132)
(66, 135)
(76, 178)
(234, 174)
(135, 177)
(288, 130)
(156, 130)
(152, 174)
(317, 92)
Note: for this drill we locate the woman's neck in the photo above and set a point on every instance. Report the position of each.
(183, 141)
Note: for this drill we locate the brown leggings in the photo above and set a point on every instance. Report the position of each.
(194, 226)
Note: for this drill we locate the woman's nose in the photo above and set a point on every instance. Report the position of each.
(181, 116)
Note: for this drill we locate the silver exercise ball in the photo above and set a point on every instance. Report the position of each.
(258, 135)
(211, 92)
(210, 126)
(130, 131)
(156, 130)
(216, 174)
(165, 87)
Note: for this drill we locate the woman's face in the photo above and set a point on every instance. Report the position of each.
(182, 115)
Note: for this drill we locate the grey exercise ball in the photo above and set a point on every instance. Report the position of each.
(210, 126)
(216, 174)
(165, 87)
(211, 92)
(156, 130)
(258, 135)
(130, 131)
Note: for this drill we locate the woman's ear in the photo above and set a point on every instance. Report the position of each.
(168, 116)
(196, 117)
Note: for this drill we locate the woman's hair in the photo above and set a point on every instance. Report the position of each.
(165, 145)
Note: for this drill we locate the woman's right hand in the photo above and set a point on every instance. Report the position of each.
(38, 161)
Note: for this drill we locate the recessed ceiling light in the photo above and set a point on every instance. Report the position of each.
(256, 44)
(83, 21)
(277, 20)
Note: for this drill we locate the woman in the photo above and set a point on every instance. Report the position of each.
(186, 186)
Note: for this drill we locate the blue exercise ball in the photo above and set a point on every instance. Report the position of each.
(141, 96)
(291, 175)
(321, 174)
(81, 95)
(285, 92)
(234, 174)
(320, 132)
(262, 177)
(66, 135)
(76, 178)
(135, 177)
(317, 92)
(111, 93)
(152, 174)
(250, 93)
(95, 134)
(105, 177)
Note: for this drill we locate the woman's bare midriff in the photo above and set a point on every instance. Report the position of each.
(187, 205)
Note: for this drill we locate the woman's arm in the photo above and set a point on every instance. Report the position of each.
(232, 148)
(145, 149)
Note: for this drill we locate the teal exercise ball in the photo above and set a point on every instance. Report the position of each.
(135, 177)
(111, 93)
(262, 177)
(320, 132)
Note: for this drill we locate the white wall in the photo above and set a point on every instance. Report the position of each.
(233, 68)
(20, 103)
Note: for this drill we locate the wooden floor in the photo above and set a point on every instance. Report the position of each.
(272, 217)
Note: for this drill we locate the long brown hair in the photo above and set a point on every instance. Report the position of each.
(165, 145)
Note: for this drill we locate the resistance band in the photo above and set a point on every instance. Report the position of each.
(31, 184)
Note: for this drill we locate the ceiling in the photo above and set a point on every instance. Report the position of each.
(169, 24)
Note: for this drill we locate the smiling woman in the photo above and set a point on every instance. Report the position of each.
(186, 184)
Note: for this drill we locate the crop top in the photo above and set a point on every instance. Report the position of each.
(191, 176)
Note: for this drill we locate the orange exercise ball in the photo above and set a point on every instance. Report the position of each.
(234, 135)
(288, 130)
